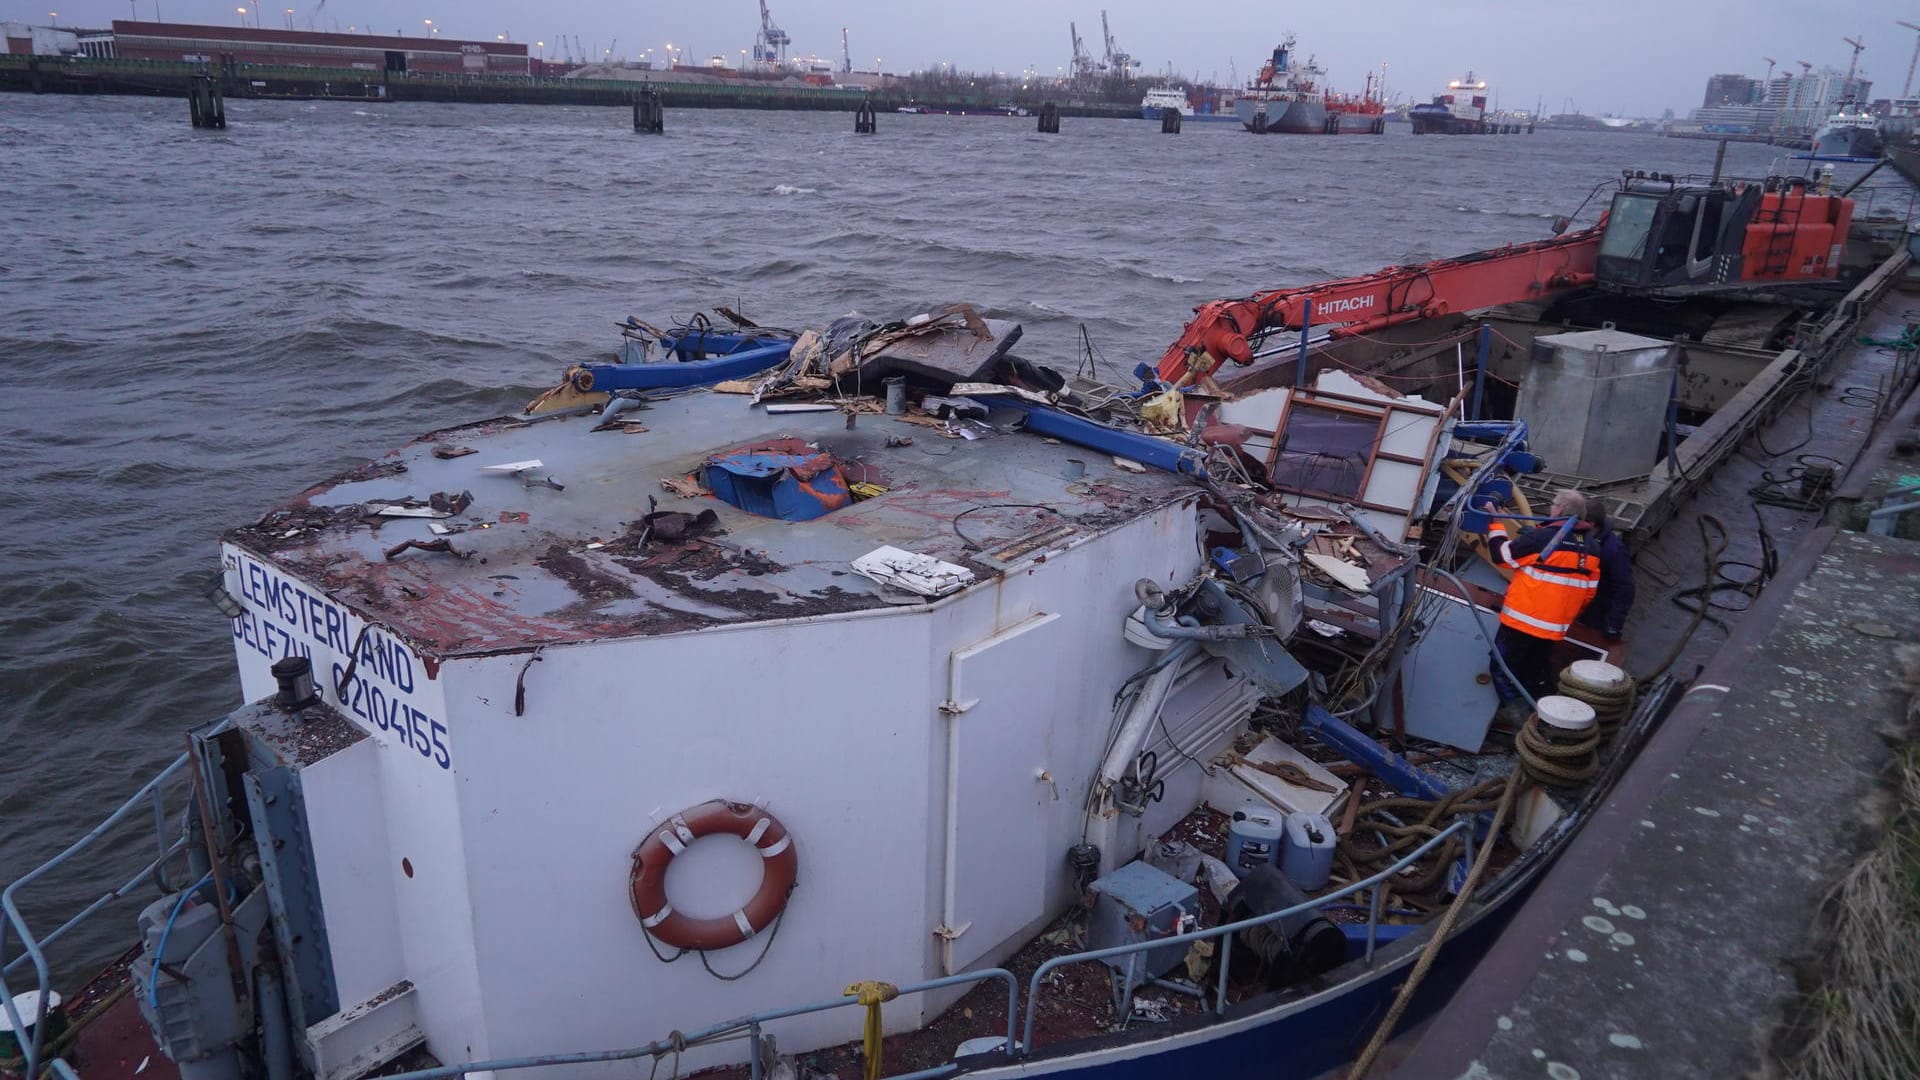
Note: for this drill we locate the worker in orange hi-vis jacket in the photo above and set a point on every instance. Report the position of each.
(1556, 574)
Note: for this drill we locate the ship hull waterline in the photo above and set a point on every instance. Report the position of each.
(1307, 118)
(1153, 112)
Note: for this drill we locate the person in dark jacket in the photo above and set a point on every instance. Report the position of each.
(1608, 612)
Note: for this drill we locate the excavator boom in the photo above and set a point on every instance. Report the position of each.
(1359, 305)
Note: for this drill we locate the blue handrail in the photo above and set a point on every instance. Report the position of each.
(750, 1023)
(1228, 929)
(35, 947)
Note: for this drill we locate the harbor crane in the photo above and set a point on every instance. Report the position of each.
(1768, 96)
(1118, 61)
(770, 44)
(1907, 87)
(1083, 67)
(1853, 66)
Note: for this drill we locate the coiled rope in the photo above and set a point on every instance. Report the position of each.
(1364, 1062)
(1432, 816)
(1557, 760)
(1608, 689)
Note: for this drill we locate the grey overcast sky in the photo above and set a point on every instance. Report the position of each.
(1628, 57)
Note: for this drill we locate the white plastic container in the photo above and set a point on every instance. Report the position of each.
(1306, 857)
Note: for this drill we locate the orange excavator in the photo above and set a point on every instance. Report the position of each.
(1662, 236)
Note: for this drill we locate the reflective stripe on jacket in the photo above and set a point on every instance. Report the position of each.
(1548, 591)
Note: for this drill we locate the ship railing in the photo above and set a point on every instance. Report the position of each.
(34, 947)
(747, 1027)
(1018, 1043)
(1226, 931)
(1885, 520)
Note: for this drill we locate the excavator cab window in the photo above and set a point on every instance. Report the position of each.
(1657, 238)
(1674, 241)
(1624, 245)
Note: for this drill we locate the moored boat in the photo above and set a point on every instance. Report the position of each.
(957, 665)
(1462, 109)
(1849, 134)
(1161, 100)
(1289, 97)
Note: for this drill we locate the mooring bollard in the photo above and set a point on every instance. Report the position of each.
(1260, 120)
(1169, 121)
(1049, 119)
(866, 120)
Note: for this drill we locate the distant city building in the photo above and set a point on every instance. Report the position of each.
(1734, 119)
(1731, 90)
(1787, 104)
(1803, 102)
(304, 48)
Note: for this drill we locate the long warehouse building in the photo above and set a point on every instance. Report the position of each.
(306, 48)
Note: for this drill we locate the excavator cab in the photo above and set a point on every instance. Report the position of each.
(1670, 236)
(1664, 234)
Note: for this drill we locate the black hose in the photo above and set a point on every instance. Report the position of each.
(1712, 548)
(1805, 486)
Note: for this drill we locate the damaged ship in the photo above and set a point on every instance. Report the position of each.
(871, 696)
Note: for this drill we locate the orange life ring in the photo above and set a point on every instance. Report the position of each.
(780, 868)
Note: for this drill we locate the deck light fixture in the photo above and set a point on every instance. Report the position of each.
(215, 590)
